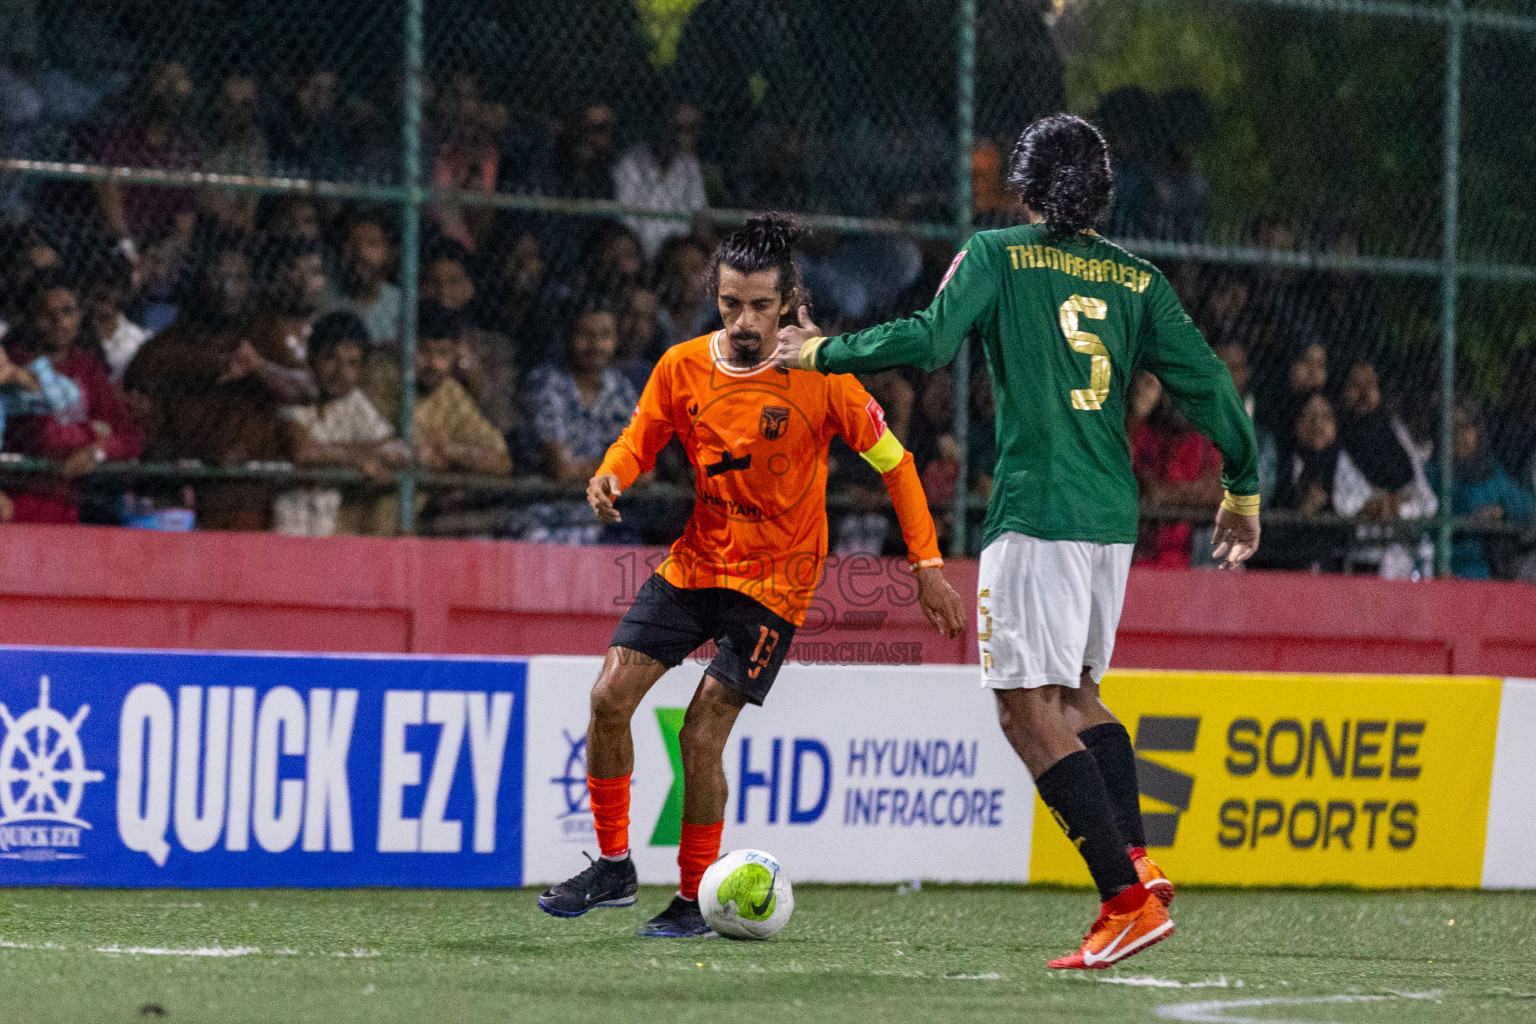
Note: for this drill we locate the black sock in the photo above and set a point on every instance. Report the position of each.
(1074, 791)
(1111, 747)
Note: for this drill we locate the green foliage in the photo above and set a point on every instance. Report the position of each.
(1314, 115)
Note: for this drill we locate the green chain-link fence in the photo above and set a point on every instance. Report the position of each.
(1338, 189)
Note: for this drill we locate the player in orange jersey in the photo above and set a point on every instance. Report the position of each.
(746, 567)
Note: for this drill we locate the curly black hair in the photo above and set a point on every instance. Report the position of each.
(764, 242)
(1060, 168)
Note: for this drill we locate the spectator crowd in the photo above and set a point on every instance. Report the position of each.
(208, 326)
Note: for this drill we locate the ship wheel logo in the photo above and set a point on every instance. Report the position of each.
(42, 766)
(574, 781)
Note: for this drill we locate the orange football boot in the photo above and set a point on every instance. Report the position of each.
(1128, 924)
(1152, 876)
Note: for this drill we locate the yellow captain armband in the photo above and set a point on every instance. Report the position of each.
(885, 455)
(807, 360)
(1240, 504)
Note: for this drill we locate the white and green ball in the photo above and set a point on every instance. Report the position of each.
(746, 895)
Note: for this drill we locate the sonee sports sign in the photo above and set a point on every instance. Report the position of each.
(1304, 780)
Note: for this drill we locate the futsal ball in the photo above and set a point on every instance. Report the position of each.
(746, 895)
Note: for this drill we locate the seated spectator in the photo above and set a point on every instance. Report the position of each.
(612, 262)
(81, 436)
(933, 418)
(236, 142)
(863, 529)
(640, 335)
(583, 165)
(663, 175)
(1175, 466)
(863, 275)
(1483, 491)
(467, 159)
(305, 133)
(362, 287)
(1235, 356)
(342, 429)
(212, 382)
(1381, 474)
(1280, 400)
(1376, 479)
(108, 331)
(24, 253)
(487, 361)
(576, 410)
(236, 145)
(156, 136)
(451, 433)
(1306, 487)
(687, 311)
(288, 217)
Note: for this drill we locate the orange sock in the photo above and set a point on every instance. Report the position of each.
(700, 847)
(610, 814)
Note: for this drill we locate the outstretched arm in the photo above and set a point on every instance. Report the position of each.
(928, 339)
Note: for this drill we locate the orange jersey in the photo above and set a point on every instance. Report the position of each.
(757, 439)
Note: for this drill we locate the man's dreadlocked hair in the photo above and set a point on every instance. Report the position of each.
(1061, 170)
(764, 242)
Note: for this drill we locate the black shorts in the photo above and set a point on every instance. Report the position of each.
(669, 623)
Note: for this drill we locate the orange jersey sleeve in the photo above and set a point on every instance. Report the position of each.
(861, 422)
(649, 430)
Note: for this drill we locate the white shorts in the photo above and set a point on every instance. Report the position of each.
(1047, 609)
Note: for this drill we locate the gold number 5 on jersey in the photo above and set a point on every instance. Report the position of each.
(1093, 396)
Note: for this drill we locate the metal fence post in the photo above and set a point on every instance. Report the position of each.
(410, 246)
(965, 114)
(1451, 189)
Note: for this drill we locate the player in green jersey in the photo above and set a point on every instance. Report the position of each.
(1067, 319)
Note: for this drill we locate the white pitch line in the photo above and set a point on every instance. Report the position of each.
(162, 951)
(206, 951)
(1146, 981)
(1215, 1011)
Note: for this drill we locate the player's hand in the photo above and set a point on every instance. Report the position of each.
(1236, 538)
(939, 602)
(602, 491)
(792, 341)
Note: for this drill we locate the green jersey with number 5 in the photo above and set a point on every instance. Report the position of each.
(1066, 325)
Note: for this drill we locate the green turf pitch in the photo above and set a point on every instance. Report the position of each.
(936, 956)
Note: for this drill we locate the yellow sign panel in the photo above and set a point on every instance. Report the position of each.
(1260, 779)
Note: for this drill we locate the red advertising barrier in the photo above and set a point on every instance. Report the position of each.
(85, 586)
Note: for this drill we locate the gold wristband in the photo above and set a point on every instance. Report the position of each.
(807, 360)
(1240, 504)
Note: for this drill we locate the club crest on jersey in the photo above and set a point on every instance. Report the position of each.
(774, 420)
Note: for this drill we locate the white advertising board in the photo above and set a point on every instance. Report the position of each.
(856, 774)
(1507, 861)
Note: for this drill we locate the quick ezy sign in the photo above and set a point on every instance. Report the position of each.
(159, 768)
